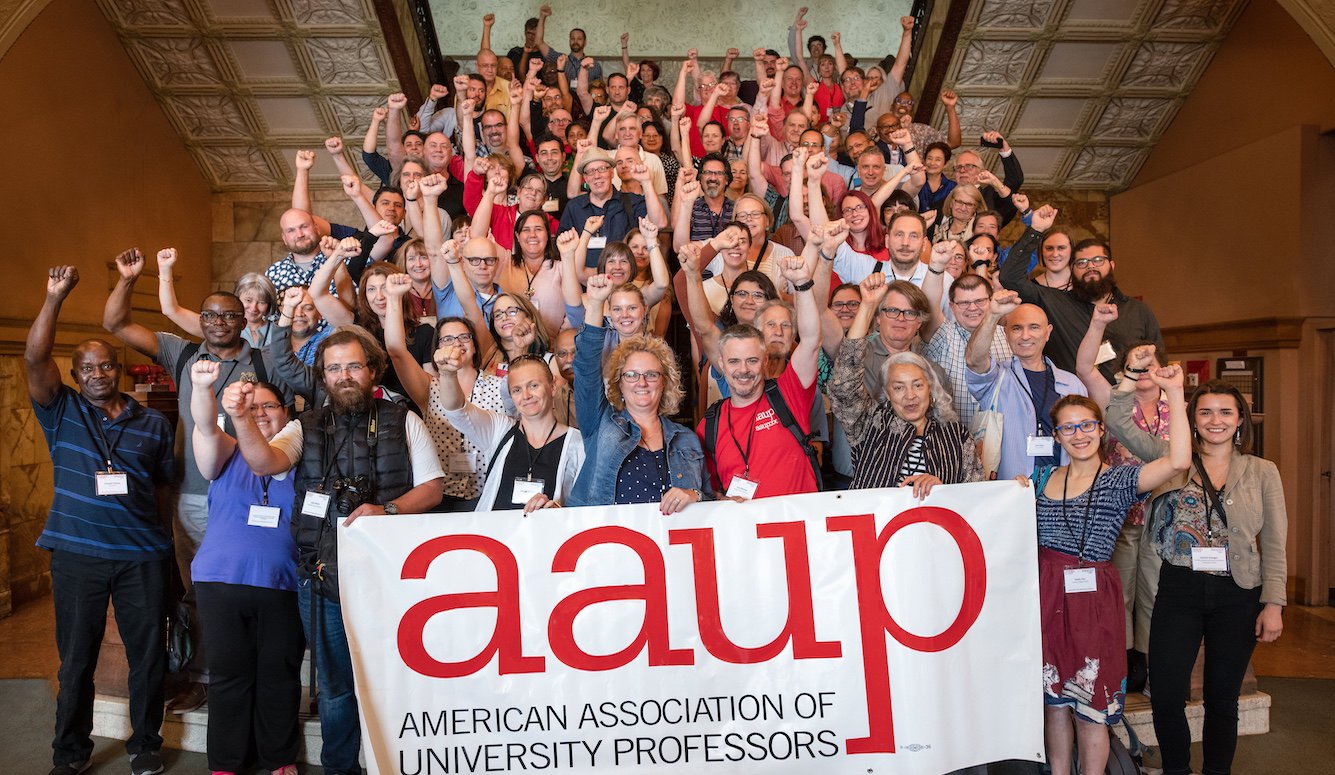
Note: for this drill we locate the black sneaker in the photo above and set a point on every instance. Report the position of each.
(146, 764)
(73, 768)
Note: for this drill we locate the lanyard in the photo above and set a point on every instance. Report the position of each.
(1038, 408)
(95, 427)
(264, 482)
(533, 453)
(1212, 494)
(1089, 501)
(750, 434)
(764, 248)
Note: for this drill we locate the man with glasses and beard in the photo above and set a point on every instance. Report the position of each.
(349, 462)
(1092, 282)
(222, 318)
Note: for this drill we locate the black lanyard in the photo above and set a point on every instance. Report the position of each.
(764, 247)
(750, 434)
(1047, 389)
(1089, 501)
(1212, 494)
(95, 428)
(533, 453)
(264, 482)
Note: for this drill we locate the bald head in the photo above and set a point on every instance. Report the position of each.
(96, 369)
(297, 230)
(1027, 332)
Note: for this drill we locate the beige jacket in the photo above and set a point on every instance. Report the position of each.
(1253, 499)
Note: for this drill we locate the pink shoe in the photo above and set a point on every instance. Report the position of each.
(290, 769)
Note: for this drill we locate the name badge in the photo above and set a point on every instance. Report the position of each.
(524, 489)
(1106, 353)
(550, 206)
(1081, 580)
(461, 463)
(315, 505)
(598, 243)
(1038, 446)
(1209, 558)
(263, 516)
(742, 488)
(112, 483)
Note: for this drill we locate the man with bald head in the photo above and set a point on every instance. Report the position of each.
(301, 236)
(106, 533)
(1024, 387)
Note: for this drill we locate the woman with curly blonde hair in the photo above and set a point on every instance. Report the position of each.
(633, 452)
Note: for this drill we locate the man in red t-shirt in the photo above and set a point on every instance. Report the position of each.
(754, 455)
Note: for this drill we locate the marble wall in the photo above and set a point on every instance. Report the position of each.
(245, 230)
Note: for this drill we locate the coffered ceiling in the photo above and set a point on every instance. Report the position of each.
(247, 83)
(1082, 89)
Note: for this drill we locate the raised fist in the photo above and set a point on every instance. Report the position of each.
(439, 91)
(305, 160)
(397, 101)
(166, 259)
(60, 280)
(334, 145)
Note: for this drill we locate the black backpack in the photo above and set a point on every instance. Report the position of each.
(781, 412)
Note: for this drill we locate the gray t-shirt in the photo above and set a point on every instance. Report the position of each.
(241, 367)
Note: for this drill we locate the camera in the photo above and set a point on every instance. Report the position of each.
(350, 492)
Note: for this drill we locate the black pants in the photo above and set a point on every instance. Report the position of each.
(254, 641)
(1191, 606)
(81, 586)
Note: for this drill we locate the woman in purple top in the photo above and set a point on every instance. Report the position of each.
(245, 581)
(1080, 508)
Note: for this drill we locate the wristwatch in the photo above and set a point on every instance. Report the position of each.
(391, 507)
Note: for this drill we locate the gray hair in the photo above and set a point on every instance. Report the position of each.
(770, 304)
(942, 403)
(255, 281)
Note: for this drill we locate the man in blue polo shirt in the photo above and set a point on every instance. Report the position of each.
(106, 533)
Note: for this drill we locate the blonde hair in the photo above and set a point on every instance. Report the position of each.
(667, 362)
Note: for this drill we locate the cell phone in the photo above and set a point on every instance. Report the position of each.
(983, 142)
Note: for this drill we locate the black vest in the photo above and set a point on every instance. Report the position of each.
(378, 459)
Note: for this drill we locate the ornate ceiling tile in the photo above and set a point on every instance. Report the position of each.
(1015, 13)
(346, 60)
(1160, 65)
(1132, 118)
(144, 13)
(328, 11)
(209, 117)
(1204, 15)
(353, 114)
(238, 166)
(994, 63)
(1101, 164)
(178, 61)
(981, 114)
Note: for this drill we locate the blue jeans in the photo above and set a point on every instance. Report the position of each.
(339, 728)
(80, 587)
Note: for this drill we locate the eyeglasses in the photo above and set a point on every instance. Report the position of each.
(848, 305)
(966, 167)
(976, 304)
(905, 101)
(651, 377)
(811, 144)
(509, 312)
(208, 316)
(966, 203)
(493, 126)
(567, 352)
(854, 210)
(1080, 263)
(851, 79)
(449, 339)
(1086, 426)
(351, 369)
(268, 407)
(480, 260)
(743, 295)
(596, 170)
(712, 174)
(752, 216)
(895, 313)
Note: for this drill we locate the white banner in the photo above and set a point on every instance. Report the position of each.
(850, 632)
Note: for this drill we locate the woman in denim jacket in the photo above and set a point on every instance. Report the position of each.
(632, 452)
(1214, 584)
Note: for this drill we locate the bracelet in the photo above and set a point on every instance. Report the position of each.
(936, 271)
(653, 245)
(806, 286)
(1135, 371)
(827, 258)
(410, 198)
(908, 150)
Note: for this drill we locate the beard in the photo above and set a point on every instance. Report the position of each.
(349, 401)
(1093, 291)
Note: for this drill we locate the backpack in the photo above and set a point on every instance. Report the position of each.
(781, 412)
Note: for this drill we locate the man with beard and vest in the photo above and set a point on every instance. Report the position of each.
(1092, 283)
(348, 459)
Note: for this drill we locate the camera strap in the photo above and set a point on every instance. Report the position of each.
(329, 457)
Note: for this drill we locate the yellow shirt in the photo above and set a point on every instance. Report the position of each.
(499, 98)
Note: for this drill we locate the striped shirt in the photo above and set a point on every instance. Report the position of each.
(111, 527)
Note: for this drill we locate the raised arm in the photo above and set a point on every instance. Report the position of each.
(896, 74)
(1086, 357)
(688, 190)
(212, 447)
(567, 243)
(653, 203)
(679, 91)
(480, 226)
(680, 130)
(333, 308)
(371, 142)
(816, 167)
(755, 169)
(43, 373)
(978, 352)
(583, 272)
(797, 43)
(301, 190)
(840, 63)
(582, 84)
(595, 301)
(934, 284)
(658, 269)
(1159, 471)
(873, 288)
(485, 43)
(696, 306)
(394, 129)
(806, 355)
(853, 404)
(625, 54)
(540, 34)
(187, 320)
(707, 110)
(416, 381)
(116, 315)
(334, 146)
(950, 99)
(263, 459)
(463, 113)
(797, 178)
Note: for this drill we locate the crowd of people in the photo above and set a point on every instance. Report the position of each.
(499, 314)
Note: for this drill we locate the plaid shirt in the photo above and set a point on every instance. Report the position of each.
(947, 350)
